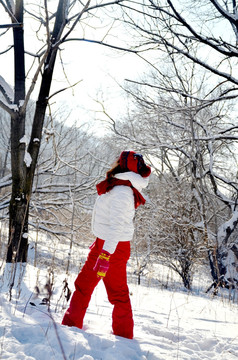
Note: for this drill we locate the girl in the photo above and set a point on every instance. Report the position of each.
(112, 224)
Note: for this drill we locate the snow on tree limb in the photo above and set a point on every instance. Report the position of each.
(27, 159)
(227, 228)
(6, 90)
(10, 109)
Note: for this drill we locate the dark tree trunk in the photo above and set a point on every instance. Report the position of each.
(19, 203)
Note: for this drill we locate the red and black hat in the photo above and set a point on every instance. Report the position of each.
(131, 161)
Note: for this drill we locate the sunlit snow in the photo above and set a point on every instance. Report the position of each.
(170, 323)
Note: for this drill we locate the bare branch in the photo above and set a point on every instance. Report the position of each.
(47, 24)
(14, 25)
(203, 64)
(75, 23)
(232, 18)
(5, 51)
(216, 46)
(102, 43)
(9, 10)
(33, 83)
(66, 88)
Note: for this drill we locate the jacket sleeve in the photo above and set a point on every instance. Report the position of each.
(122, 211)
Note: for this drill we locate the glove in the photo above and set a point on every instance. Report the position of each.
(102, 264)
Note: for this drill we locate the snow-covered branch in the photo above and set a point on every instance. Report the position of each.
(227, 228)
(10, 109)
(6, 90)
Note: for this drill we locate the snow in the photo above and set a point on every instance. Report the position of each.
(6, 89)
(13, 107)
(228, 225)
(27, 159)
(23, 140)
(169, 323)
(5, 181)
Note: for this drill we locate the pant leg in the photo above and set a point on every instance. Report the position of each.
(118, 292)
(84, 286)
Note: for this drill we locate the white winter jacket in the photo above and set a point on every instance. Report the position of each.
(114, 212)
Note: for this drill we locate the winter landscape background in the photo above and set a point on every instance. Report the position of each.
(79, 83)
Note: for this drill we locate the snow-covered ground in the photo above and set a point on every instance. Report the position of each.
(170, 323)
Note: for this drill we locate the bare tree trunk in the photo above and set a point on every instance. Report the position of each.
(19, 203)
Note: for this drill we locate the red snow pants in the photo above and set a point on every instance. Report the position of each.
(115, 282)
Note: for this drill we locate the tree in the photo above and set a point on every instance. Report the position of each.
(55, 25)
